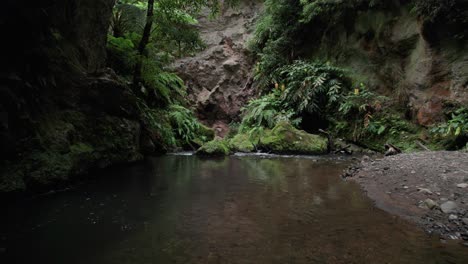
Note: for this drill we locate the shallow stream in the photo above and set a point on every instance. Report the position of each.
(239, 209)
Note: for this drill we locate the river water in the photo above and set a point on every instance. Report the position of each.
(239, 209)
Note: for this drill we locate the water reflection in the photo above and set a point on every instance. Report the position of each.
(242, 209)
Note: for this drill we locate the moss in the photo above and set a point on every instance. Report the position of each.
(284, 138)
(68, 144)
(204, 135)
(214, 148)
(242, 143)
(206, 132)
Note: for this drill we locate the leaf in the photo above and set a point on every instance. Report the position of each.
(381, 130)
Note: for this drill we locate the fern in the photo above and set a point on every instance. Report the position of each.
(266, 112)
(311, 87)
(185, 125)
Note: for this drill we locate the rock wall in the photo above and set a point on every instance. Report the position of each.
(219, 79)
(61, 113)
(422, 64)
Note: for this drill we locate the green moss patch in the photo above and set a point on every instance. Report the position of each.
(285, 139)
(214, 148)
(242, 143)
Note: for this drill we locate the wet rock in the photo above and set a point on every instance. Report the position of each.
(448, 207)
(430, 204)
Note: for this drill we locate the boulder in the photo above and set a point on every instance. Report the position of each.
(215, 147)
(242, 143)
(286, 139)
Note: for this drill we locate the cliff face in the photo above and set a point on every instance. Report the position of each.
(219, 79)
(422, 63)
(61, 113)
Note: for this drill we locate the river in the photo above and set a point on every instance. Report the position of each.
(238, 209)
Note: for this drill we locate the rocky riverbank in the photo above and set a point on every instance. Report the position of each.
(429, 188)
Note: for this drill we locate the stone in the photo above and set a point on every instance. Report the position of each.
(424, 190)
(214, 148)
(453, 217)
(242, 143)
(285, 139)
(465, 221)
(462, 185)
(430, 204)
(448, 207)
(219, 78)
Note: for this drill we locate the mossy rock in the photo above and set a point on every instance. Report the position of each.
(285, 139)
(214, 148)
(206, 132)
(204, 135)
(242, 143)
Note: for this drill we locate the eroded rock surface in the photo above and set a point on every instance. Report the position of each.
(418, 62)
(219, 79)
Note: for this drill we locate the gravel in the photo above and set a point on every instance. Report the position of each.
(428, 188)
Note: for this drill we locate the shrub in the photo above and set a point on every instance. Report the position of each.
(266, 112)
(187, 127)
(311, 87)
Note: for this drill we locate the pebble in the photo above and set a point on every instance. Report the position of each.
(462, 185)
(465, 221)
(424, 190)
(448, 207)
(453, 217)
(430, 204)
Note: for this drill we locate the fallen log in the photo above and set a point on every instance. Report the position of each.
(391, 150)
(422, 146)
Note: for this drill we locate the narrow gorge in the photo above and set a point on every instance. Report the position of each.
(234, 131)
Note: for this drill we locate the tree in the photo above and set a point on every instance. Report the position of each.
(170, 10)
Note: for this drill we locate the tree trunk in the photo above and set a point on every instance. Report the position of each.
(142, 46)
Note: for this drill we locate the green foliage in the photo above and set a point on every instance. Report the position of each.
(187, 127)
(184, 122)
(456, 126)
(163, 88)
(121, 54)
(358, 111)
(157, 121)
(275, 37)
(311, 87)
(361, 101)
(300, 88)
(266, 112)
